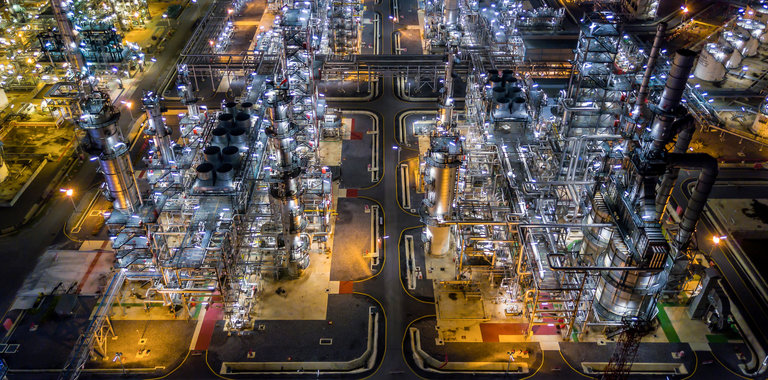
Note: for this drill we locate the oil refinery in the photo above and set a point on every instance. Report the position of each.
(433, 189)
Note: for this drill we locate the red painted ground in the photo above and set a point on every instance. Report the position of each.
(345, 287)
(354, 135)
(491, 331)
(351, 193)
(214, 313)
(90, 269)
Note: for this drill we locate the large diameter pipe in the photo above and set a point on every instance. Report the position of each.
(686, 125)
(700, 194)
(450, 12)
(162, 136)
(670, 98)
(446, 99)
(642, 94)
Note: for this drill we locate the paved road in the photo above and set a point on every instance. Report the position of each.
(19, 252)
(739, 287)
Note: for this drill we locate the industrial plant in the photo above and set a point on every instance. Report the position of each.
(382, 189)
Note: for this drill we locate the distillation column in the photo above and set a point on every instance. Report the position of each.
(442, 162)
(639, 242)
(104, 139)
(160, 133)
(187, 92)
(285, 188)
(445, 104)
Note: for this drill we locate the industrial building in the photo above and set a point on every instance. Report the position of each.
(311, 188)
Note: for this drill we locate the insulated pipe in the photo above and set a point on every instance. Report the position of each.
(670, 98)
(450, 12)
(686, 126)
(698, 200)
(642, 94)
(162, 134)
(446, 101)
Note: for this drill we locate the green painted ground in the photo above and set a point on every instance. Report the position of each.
(666, 325)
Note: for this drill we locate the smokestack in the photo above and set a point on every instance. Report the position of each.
(670, 98)
(642, 94)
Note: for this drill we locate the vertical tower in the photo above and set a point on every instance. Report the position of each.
(285, 188)
(187, 91)
(160, 133)
(105, 140)
(442, 162)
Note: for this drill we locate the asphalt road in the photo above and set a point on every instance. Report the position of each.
(19, 252)
(738, 285)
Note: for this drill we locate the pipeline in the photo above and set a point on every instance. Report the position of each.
(670, 98)
(642, 94)
(686, 126)
(698, 200)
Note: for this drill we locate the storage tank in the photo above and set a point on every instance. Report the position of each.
(754, 29)
(710, 65)
(741, 42)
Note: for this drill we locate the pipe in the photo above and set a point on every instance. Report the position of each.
(642, 94)
(670, 98)
(687, 126)
(587, 267)
(698, 200)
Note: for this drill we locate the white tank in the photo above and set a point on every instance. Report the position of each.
(741, 42)
(709, 66)
(754, 28)
(734, 62)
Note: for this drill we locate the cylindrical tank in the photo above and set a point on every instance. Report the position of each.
(508, 76)
(212, 154)
(118, 174)
(501, 108)
(230, 107)
(514, 92)
(710, 67)
(734, 61)
(225, 120)
(442, 163)
(243, 120)
(625, 293)
(225, 174)
(517, 107)
(493, 76)
(596, 239)
(741, 42)
(450, 12)
(499, 92)
(231, 155)
(205, 174)
(238, 138)
(247, 107)
(219, 137)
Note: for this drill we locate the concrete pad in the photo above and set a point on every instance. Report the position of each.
(454, 303)
(690, 331)
(333, 287)
(460, 331)
(86, 269)
(305, 298)
(699, 346)
(329, 153)
(550, 346)
(352, 240)
(440, 268)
